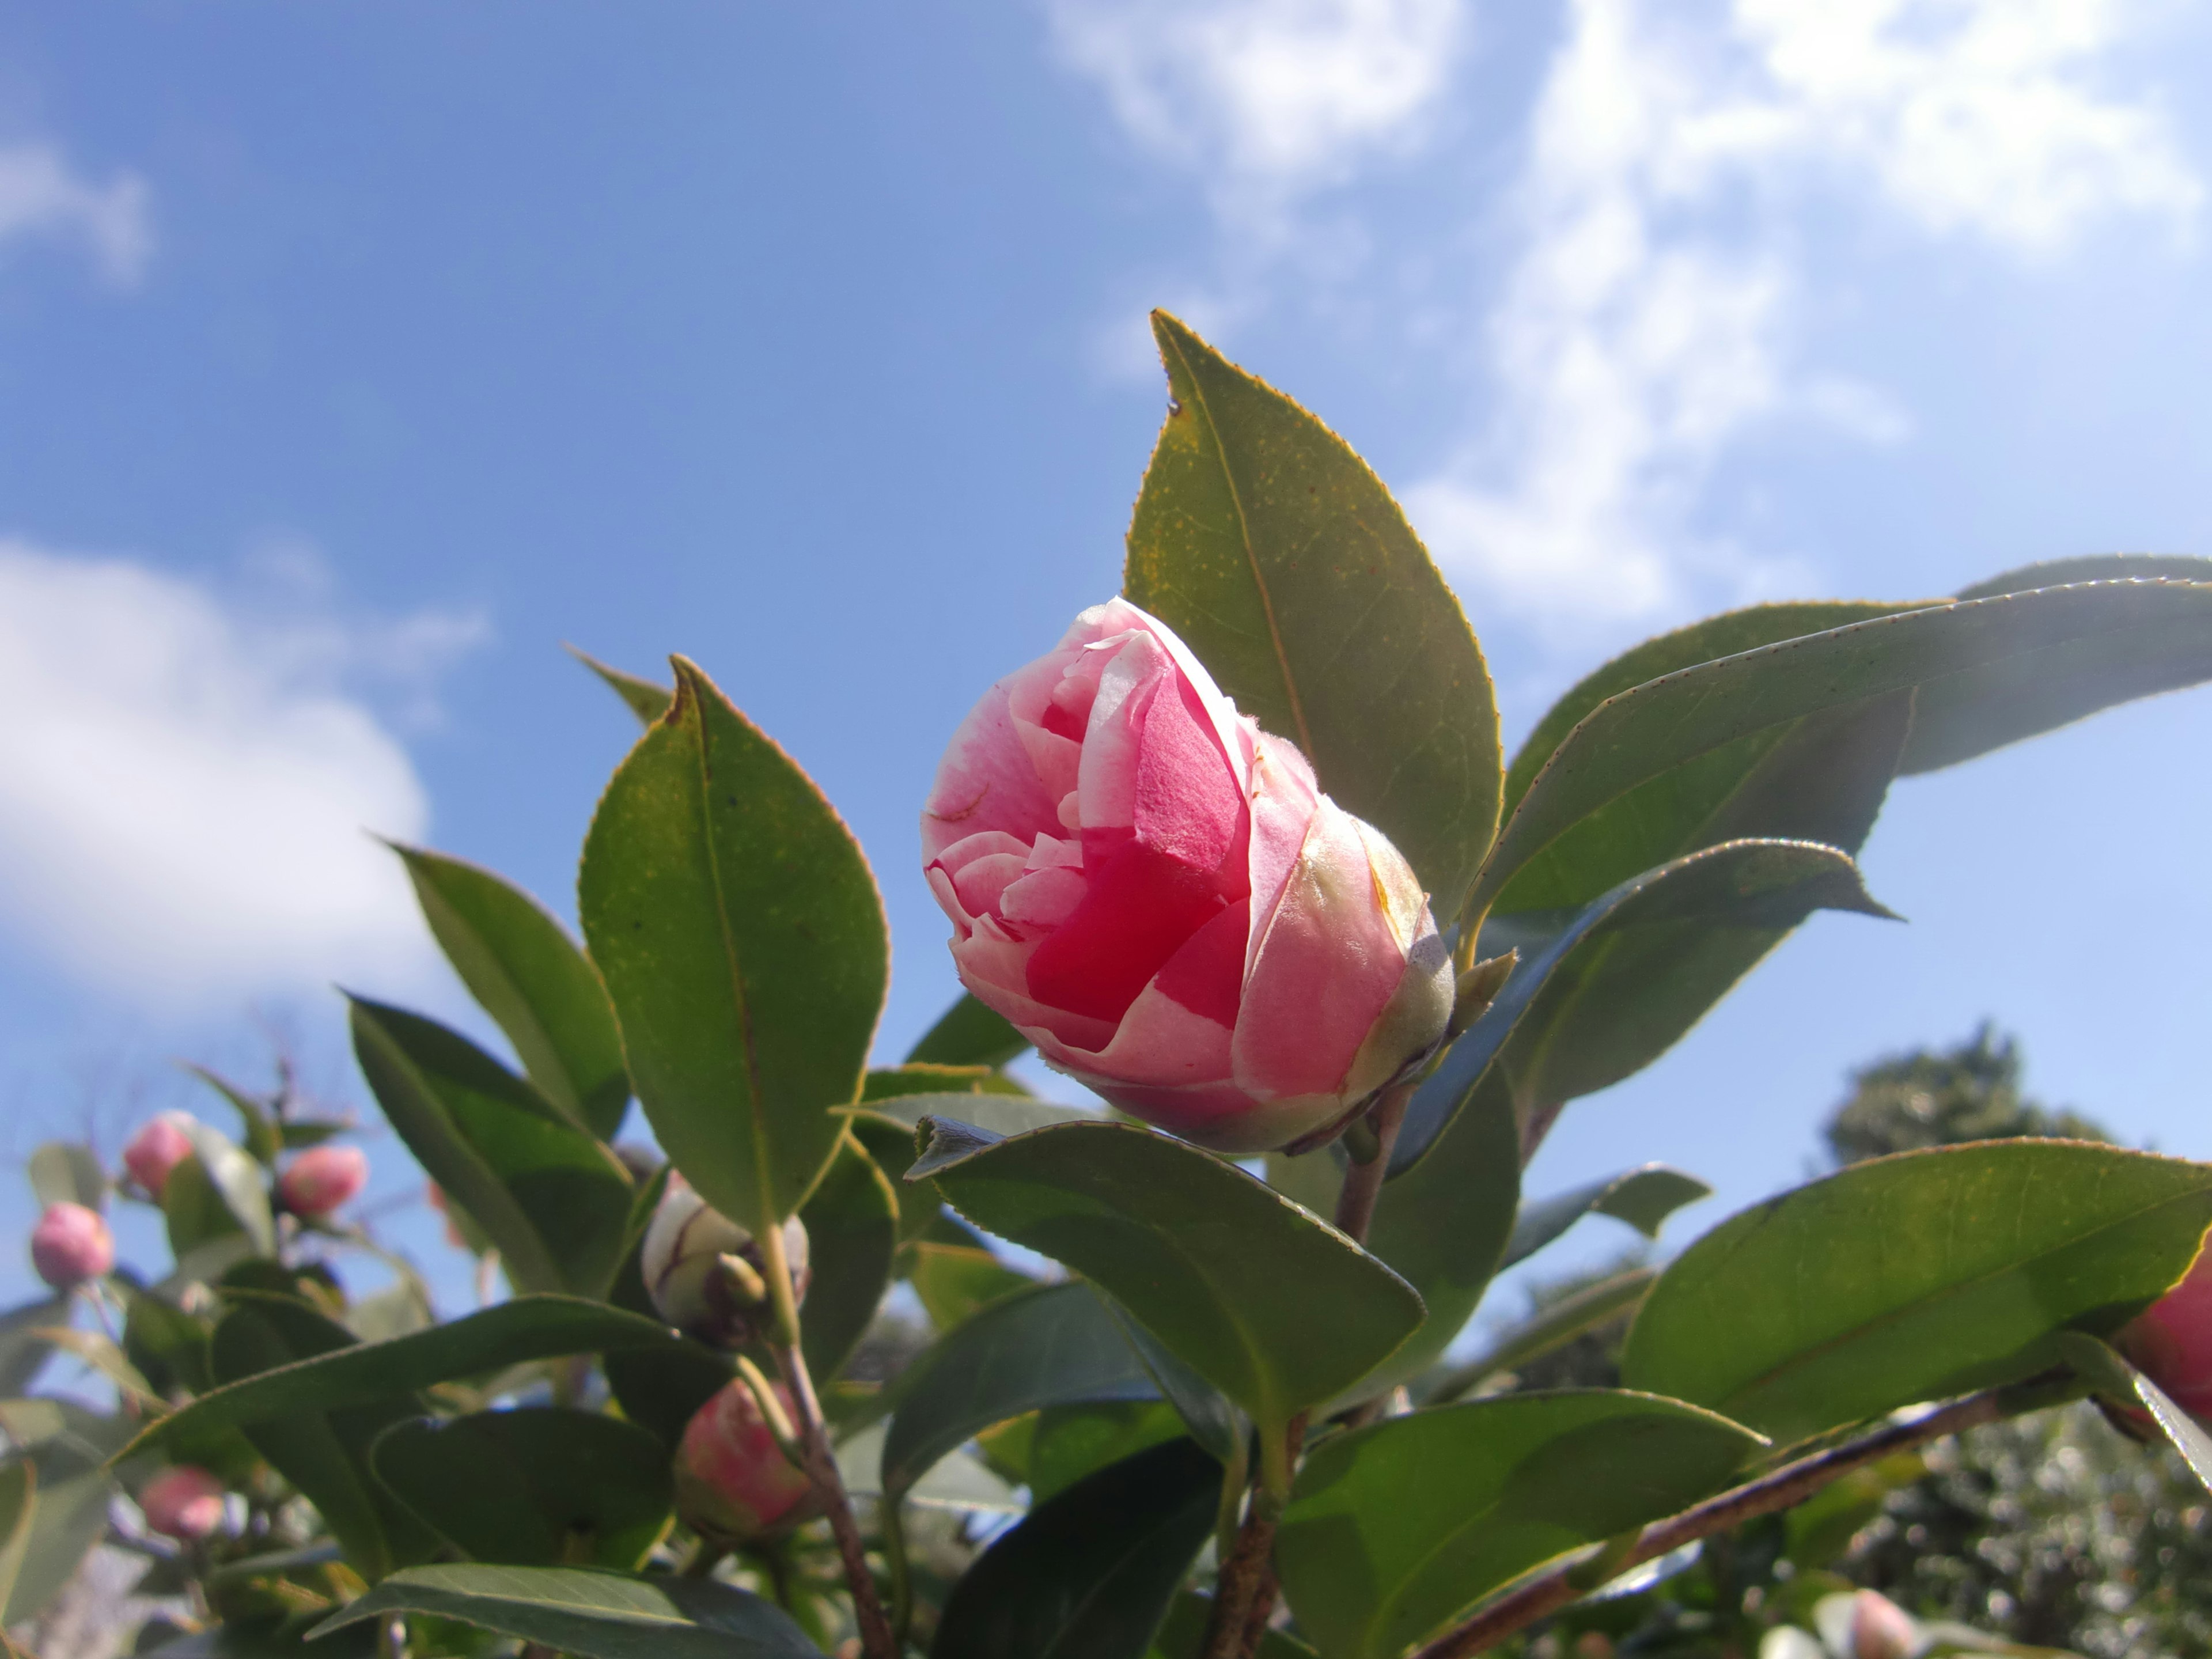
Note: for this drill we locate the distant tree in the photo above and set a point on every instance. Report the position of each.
(1925, 1097)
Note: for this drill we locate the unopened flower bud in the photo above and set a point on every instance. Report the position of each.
(158, 1146)
(184, 1503)
(707, 1275)
(733, 1483)
(1880, 1629)
(1156, 893)
(322, 1178)
(2171, 1343)
(71, 1244)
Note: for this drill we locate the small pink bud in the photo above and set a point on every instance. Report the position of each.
(322, 1178)
(158, 1146)
(182, 1503)
(708, 1276)
(1158, 894)
(2171, 1342)
(733, 1483)
(71, 1244)
(1880, 1629)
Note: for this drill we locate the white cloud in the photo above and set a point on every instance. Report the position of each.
(1648, 321)
(1264, 96)
(186, 786)
(40, 195)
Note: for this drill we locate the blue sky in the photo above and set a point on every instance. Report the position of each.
(353, 357)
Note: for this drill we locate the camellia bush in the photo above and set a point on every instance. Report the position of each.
(1241, 854)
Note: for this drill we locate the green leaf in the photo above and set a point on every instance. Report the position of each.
(22, 1351)
(507, 1334)
(530, 976)
(63, 1172)
(593, 1614)
(647, 699)
(266, 1638)
(661, 1390)
(545, 1191)
(235, 1181)
(969, 1034)
(2098, 1364)
(1558, 1324)
(542, 1485)
(1746, 884)
(889, 1082)
(957, 1281)
(891, 1143)
(1270, 1304)
(1049, 1345)
(1986, 672)
(1214, 1422)
(852, 1232)
(739, 934)
(323, 1452)
(1281, 560)
(2091, 567)
(19, 1500)
(1185, 1629)
(1642, 1197)
(1071, 1443)
(1394, 1528)
(67, 1447)
(997, 1114)
(1088, 1574)
(263, 1135)
(1915, 1277)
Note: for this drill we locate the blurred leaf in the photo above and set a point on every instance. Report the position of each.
(2099, 1365)
(102, 1355)
(1394, 1528)
(661, 1390)
(1281, 560)
(195, 1216)
(507, 1334)
(299, 1133)
(647, 699)
(284, 1638)
(891, 1143)
(400, 1308)
(232, 1178)
(22, 1351)
(1987, 671)
(1070, 1443)
(1273, 1307)
(1179, 1638)
(530, 976)
(969, 1034)
(1820, 1529)
(1915, 1277)
(1558, 1324)
(1749, 884)
(852, 1230)
(957, 1281)
(1088, 1574)
(1049, 1345)
(322, 1452)
(258, 1125)
(19, 1502)
(1642, 1197)
(541, 1485)
(740, 935)
(593, 1614)
(548, 1195)
(63, 1172)
(67, 1446)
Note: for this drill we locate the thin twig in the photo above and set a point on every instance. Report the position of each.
(1790, 1484)
(1363, 1181)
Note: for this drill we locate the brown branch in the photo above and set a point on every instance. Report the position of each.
(1791, 1484)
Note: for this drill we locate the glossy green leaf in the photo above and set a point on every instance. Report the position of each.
(541, 1485)
(1212, 1419)
(646, 699)
(19, 1501)
(323, 1452)
(530, 976)
(969, 1034)
(1642, 1197)
(997, 1114)
(259, 1131)
(1281, 560)
(2091, 567)
(2099, 1365)
(507, 1334)
(1394, 1528)
(852, 1230)
(1270, 1304)
(1559, 1323)
(236, 1179)
(593, 1614)
(739, 930)
(61, 1172)
(553, 1199)
(1052, 1344)
(23, 1352)
(1749, 884)
(954, 1282)
(1986, 672)
(1915, 1277)
(1088, 1574)
(1071, 1443)
(661, 1390)
(68, 1448)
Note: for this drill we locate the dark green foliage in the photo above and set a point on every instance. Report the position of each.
(1944, 1097)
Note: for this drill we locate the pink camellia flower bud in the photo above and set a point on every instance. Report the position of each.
(2171, 1343)
(707, 1274)
(158, 1146)
(71, 1244)
(733, 1484)
(182, 1503)
(1880, 1629)
(322, 1178)
(1157, 894)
